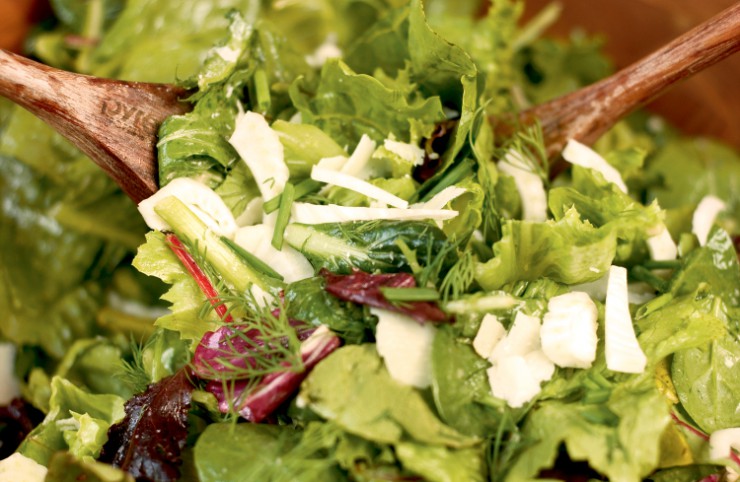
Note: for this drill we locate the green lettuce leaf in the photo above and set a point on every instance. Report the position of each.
(366, 106)
(352, 389)
(624, 446)
(66, 428)
(156, 259)
(568, 251)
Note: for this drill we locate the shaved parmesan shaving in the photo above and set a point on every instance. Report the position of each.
(442, 198)
(582, 155)
(721, 443)
(332, 213)
(352, 183)
(623, 352)
(528, 184)
(408, 152)
(291, 264)
(704, 217)
(662, 247)
(260, 147)
(199, 198)
(406, 347)
(334, 163)
(358, 163)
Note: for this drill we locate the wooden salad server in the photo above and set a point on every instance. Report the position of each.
(116, 122)
(589, 112)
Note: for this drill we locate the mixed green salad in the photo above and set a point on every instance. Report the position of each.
(349, 274)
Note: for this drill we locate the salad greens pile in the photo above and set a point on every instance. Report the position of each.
(350, 275)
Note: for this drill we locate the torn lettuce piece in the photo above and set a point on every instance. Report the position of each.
(57, 431)
(568, 251)
(366, 106)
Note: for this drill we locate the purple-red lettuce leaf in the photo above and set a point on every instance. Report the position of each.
(365, 289)
(255, 402)
(147, 443)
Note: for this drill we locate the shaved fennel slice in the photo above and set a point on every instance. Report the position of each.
(662, 247)
(623, 352)
(582, 155)
(528, 184)
(305, 213)
(260, 148)
(405, 346)
(199, 198)
(355, 184)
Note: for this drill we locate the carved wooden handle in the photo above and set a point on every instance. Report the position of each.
(113, 122)
(587, 113)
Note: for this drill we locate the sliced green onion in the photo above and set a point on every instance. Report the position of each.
(304, 187)
(252, 260)
(262, 90)
(283, 215)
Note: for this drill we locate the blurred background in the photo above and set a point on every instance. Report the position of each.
(707, 104)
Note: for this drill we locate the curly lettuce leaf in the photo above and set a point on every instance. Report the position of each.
(155, 258)
(63, 428)
(366, 106)
(603, 204)
(569, 251)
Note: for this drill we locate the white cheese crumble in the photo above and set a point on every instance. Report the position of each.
(528, 184)
(490, 332)
(568, 333)
(199, 198)
(9, 384)
(405, 346)
(623, 352)
(518, 364)
(582, 155)
(705, 215)
(291, 264)
(260, 147)
(19, 468)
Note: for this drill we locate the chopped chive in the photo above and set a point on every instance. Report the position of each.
(409, 294)
(452, 176)
(252, 260)
(283, 215)
(640, 273)
(667, 264)
(597, 396)
(262, 90)
(301, 189)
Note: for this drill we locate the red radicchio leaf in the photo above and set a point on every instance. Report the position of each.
(364, 288)
(274, 389)
(17, 419)
(228, 350)
(148, 441)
